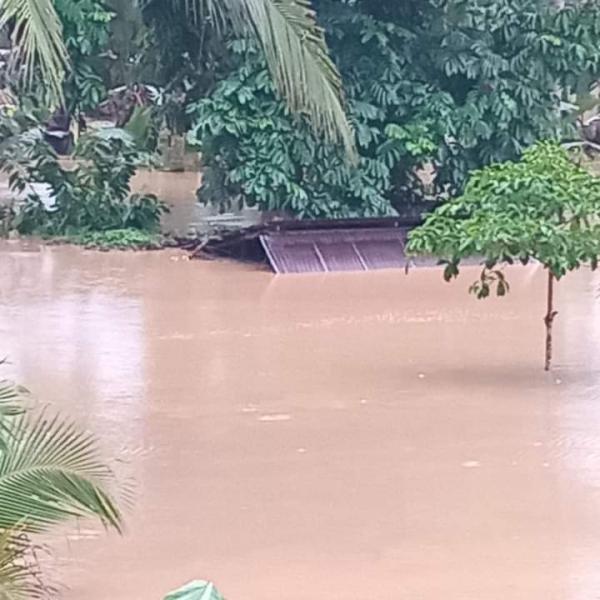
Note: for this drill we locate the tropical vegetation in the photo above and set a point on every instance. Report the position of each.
(51, 472)
(543, 207)
(63, 37)
(63, 58)
(92, 195)
(434, 90)
(371, 107)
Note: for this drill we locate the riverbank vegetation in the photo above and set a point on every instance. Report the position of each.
(434, 90)
(70, 64)
(431, 90)
(93, 195)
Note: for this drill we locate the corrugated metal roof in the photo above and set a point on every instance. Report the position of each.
(335, 250)
(297, 246)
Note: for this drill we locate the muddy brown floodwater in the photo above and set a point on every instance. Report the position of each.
(327, 437)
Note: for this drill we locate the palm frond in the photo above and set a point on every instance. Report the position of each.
(11, 399)
(298, 58)
(20, 572)
(12, 404)
(51, 472)
(296, 53)
(38, 39)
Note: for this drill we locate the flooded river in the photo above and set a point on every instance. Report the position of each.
(327, 437)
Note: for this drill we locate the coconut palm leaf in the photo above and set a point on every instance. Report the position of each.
(15, 581)
(11, 405)
(50, 472)
(20, 574)
(11, 399)
(38, 40)
(296, 54)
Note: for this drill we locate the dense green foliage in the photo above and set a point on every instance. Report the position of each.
(254, 152)
(543, 207)
(292, 45)
(94, 194)
(450, 85)
(86, 33)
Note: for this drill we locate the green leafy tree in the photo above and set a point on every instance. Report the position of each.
(297, 57)
(255, 152)
(509, 66)
(86, 29)
(543, 208)
(450, 86)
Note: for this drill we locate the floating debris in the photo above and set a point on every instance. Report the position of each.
(271, 418)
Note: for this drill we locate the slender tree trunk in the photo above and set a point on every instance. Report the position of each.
(548, 319)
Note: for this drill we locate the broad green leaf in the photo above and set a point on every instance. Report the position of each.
(195, 590)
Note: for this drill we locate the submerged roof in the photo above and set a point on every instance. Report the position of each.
(337, 250)
(319, 246)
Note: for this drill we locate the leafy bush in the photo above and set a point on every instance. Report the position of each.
(117, 239)
(92, 196)
(449, 85)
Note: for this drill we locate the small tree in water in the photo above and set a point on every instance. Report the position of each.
(544, 207)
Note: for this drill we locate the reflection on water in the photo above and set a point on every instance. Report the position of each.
(70, 336)
(334, 436)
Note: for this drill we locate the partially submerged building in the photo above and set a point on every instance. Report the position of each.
(311, 246)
